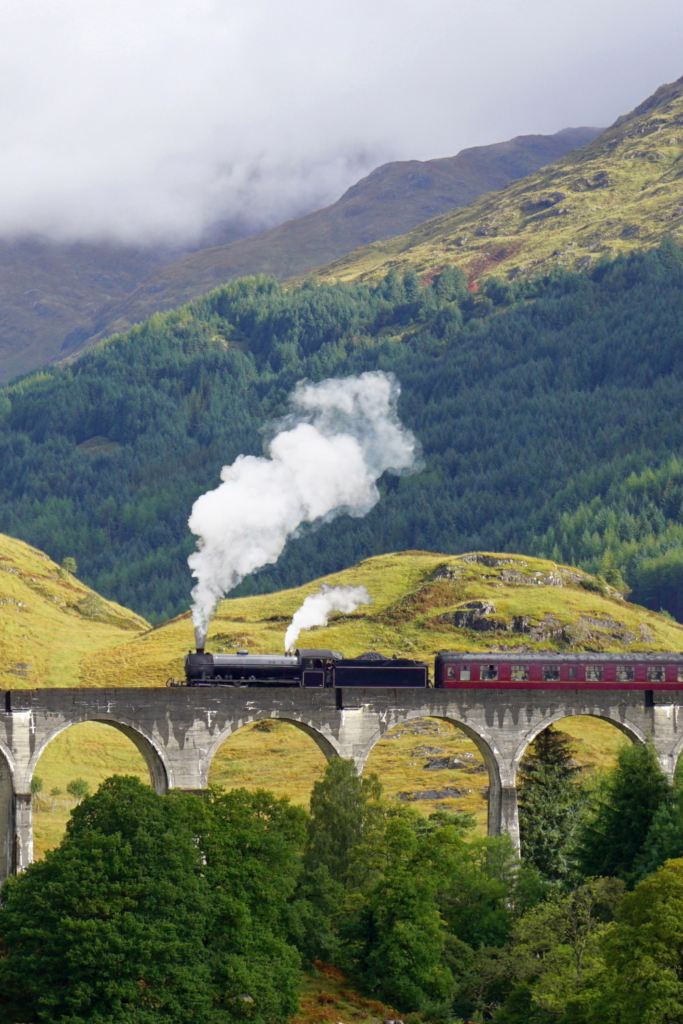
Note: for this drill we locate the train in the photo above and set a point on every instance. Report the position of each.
(309, 667)
(313, 667)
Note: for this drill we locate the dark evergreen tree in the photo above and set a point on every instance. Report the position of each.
(611, 838)
(665, 836)
(549, 800)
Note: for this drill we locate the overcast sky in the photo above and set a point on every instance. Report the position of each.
(149, 119)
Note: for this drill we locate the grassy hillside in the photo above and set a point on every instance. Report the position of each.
(50, 621)
(623, 191)
(57, 296)
(52, 292)
(532, 603)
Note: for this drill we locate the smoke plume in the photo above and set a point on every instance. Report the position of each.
(317, 608)
(324, 460)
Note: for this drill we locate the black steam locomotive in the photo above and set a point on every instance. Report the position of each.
(452, 670)
(307, 667)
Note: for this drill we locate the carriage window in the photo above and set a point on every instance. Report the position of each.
(450, 672)
(551, 673)
(656, 674)
(489, 672)
(519, 673)
(625, 673)
(572, 672)
(680, 673)
(593, 673)
(465, 673)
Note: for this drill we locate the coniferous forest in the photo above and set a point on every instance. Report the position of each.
(549, 412)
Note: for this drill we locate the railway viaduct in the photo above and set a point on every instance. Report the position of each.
(179, 730)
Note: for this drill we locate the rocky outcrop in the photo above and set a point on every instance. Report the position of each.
(587, 630)
(448, 792)
(437, 764)
(512, 572)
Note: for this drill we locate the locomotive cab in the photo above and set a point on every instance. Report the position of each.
(317, 666)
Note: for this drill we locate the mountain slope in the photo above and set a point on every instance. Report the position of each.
(50, 621)
(528, 400)
(50, 291)
(622, 192)
(390, 200)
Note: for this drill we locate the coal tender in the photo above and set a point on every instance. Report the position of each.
(309, 667)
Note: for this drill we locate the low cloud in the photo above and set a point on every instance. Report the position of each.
(153, 121)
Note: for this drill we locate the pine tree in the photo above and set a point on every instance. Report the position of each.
(614, 833)
(549, 799)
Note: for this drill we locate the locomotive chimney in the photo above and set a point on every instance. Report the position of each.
(200, 650)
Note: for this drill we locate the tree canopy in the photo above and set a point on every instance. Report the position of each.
(156, 909)
(612, 836)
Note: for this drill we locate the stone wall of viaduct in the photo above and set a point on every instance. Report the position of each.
(178, 731)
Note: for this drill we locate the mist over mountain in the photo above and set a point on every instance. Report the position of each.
(149, 123)
(55, 296)
(391, 199)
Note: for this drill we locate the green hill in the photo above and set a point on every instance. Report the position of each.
(512, 600)
(50, 621)
(620, 193)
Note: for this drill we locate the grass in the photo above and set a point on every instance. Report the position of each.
(621, 192)
(411, 597)
(50, 621)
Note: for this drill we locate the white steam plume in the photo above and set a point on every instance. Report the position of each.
(317, 608)
(341, 435)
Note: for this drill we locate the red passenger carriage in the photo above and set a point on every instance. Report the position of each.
(520, 671)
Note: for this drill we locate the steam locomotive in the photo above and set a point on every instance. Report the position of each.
(307, 667)
(310, 667)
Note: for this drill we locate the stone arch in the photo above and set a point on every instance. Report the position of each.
(482, 739)
(633, 732)
(323, 740)
(160, 773)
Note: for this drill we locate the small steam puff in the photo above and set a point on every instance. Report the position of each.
(325, 459)
(317, 608)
